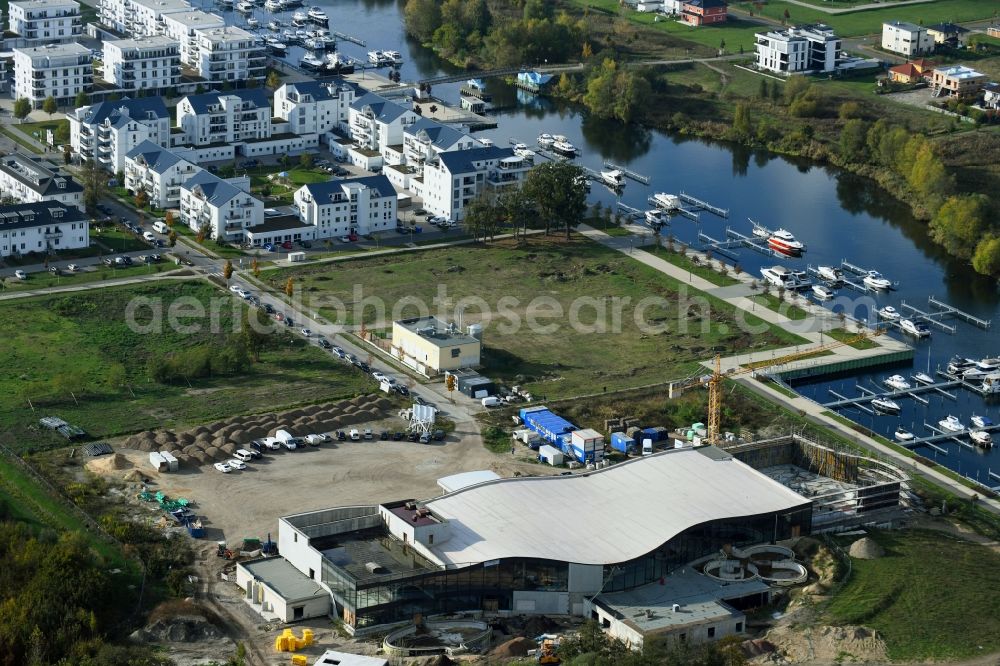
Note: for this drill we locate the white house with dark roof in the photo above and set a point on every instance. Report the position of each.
(225, 209)
(42, 226)
(224, 118)
(455, 178)
(376, 123)
(353, 205)
(107, 131)
(159, 172)
(426, 138)
(51, 21)
(908, 39)
(314, 107)
(23, 180)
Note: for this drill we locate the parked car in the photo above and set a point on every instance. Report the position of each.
(268, 247)
(20, 275)
(236, 464)
(344, 239)
(104, 209)
(400, 229)
(324, 343)
(289, 322)
(437, 220)
(223, 467)
(290, 444)
(257, 445)
(419, 211)
(243, 454)
(425, 438)
(438, 435)
(249, 164)
(306, 332)
(420, 401)
(378, 376)
(397, 436)
(355, 435)
(55, 270)
(287, 245)
(72, 268)
(353, 237)
(339, 352)
(413, 436)
(368, 433)
(385, 435)
(341, 436)
(364, 367)
(268, 309)
(401, 390)
(317, 439)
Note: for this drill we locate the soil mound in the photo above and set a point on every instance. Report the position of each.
(108, 464)
(866, 548)
(514, 648)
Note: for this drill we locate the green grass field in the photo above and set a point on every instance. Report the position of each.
(931, 597)
(60, 346)
(772, 302)
(43, 279)
(119, 240)
(562, 362)
(843, 335)
(686, 263)
(38, 130)
(20, 139)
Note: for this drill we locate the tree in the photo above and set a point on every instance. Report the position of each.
(306, 161)
(62, 135)
(794, 87)
(273, 80)
(853, 140)
(480, 217)
(517, 209)
(95, 185)
(741, 121)
(255, 267)
(202, 233)
(616, 93)
(928, 174)
(50, 105)
(986, 259)
(67, 154)
(141, 199)
(22, 107)
(422, 18)
(849, 110)
(82, 99)
(172, 238)
(255, 333)
(559, 190)
(168, 219)
(960, 224)
(290, 287)
(227, 270)
(762, 89)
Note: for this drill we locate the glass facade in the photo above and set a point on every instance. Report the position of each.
(377, 600)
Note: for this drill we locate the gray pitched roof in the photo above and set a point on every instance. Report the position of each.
(217, 191)
(381, 108)
(258, 96)
(38, 214)
(136, 109)
(321, 192)
(461, 161)
(439, 135)
(156, 158)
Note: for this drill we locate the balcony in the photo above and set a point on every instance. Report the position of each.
(50, 235)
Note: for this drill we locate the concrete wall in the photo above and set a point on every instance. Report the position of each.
(541, 603)
(294, 547)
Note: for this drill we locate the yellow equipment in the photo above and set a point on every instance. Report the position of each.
(289, 642)
(300, 660)
(714, 381)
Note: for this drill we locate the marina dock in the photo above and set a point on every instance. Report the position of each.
(913, 392)
(926, 317)
(628, 173)
(943, 436)
(698, 204)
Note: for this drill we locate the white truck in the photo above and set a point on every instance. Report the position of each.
(647, 447)
(286, 439)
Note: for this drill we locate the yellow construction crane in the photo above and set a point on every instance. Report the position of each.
(714, 380)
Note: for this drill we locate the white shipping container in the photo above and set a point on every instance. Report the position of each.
(551, 455)
(158, 462)
(296, 256)
(172, 462)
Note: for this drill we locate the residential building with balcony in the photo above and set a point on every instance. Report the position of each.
(58, 70)
(159, 172)
(229, 55)
(809, 48)
(223, 208)
(704, 12)
(42, 227)
(957, 81)
(183, 28)
(50, 21)
(376, 123)
(353, 205)
(907, 39)
(457, 177)
(25, 181)
(426, 139)
(225, 118)
(314, 107)
(144, 63)
(106, 132)
(139, 18)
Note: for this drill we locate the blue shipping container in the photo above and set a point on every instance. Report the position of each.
(622, 442)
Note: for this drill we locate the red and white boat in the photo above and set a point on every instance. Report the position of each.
(784, 242)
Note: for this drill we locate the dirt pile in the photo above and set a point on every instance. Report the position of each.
(824, 644)
(179, 629)
(866, 548)
(108, 464)
(514, 648)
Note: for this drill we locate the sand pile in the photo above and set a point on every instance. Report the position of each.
(514, 648)
(108, 464)
(866, 548)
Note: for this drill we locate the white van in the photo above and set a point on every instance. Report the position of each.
(161, 227)
(244, 455)
(491, 401)
(148, 236)
(355, 435)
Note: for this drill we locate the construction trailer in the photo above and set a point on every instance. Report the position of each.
(587, 445)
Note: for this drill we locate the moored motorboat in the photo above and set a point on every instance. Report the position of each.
(522, 150)
(951, 424)
(274, 5)
(317, 15)
(981, 421)
(545, 140)
(923, 378)
(991, 383)
(897, 382)
(253, 23)
(822, 292)
(958, 364)
(784, 242)
(875, 280)
(917, 329)
(395, 57)
(561, 145)
(312, 62)
(244, 6)
(830, 274)
(981, 438)
(903, 435)
(885, 406)
(666, 201)
(338, 64)
(613, 178)
(299, 18)
(656, 217)
(888, 313)
(274, 25)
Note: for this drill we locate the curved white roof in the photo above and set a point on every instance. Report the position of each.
(607, 516)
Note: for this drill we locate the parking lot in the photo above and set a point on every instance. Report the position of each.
(249, 502)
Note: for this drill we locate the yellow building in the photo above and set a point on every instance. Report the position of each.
(431, 346)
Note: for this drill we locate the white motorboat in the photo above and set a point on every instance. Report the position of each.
(253, 23)
(951, 424)
(779, 276)
(959, 364)
(656, 217)
(885, 406)
(760, 231)
(874, 280)
(903, 435)
(312, 62)
(991, 383)
(522, 150)
(889, 313)
(665, 201)
(561, 145)
(244, 6)
(376, 58)
(225, 4)
(830, 274)
(917, 329)
(338, 64)
(981, 421)
(981, 438)
(274, 6)
(613, 178)
(897, 382)
(317, 15)
(276, 46)
(300, 16)
(923, 378)
(274, 25)
(395, 57)
(784, 242)
(822, 292)
(545, 140)
(979, 369)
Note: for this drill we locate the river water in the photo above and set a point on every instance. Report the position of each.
(836, 214)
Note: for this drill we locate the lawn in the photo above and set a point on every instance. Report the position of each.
(580, 281)
(772, 302)
(843, 335)
(20, 138)
(225, 251)
(868, 22)
(688, 264)
(116, 239)
(931, 597)
(38, 130)
(75, 357)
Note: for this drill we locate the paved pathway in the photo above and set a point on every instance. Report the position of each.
(857, 8)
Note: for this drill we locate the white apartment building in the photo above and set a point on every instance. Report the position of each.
(226, 210)
(182, 27)
(59, 70)
(314, 107)
(144, 63)
(426, 139)
(225, 118)
(139, 18)
(455, 178)
(106, 132)
(25, 181)
(907, 39)
(342, 207)
(159, 172)
(809, 48)
(229, 54)
(376, 123)
(42, 227)
(50, 21)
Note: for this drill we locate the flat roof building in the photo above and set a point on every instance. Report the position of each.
(905, 38)
(144, 63)
(807, 48)
(957, 81)
(431, 346)
(57, 70)
(50, 21)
